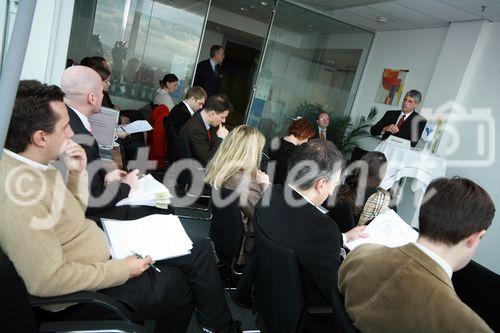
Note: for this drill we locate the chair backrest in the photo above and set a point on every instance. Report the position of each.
(16, 314)
(341, 319)
(277, 288)
(226, 229)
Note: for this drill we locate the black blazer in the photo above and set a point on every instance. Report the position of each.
(329, 135)
(179, 115)
(202, 149)
(411, 130)
(313, 236)
(280, 158)
(95, 168)
(206, 78)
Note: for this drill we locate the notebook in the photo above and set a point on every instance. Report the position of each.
(159, 236)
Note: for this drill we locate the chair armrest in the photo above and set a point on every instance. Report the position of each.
(85, 297)
(91, 326)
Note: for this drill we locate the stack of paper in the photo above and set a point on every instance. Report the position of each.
(150, 192)
(159, 236)
(136, 127)
(386, 229)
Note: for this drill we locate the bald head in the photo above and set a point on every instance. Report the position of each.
(82, 87)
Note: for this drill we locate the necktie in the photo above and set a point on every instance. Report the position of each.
(209, 135)
(401, 121)
(322, 135)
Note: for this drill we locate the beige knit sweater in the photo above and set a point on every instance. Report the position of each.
(44, 232)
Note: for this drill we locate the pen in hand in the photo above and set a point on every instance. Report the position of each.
(150, 265)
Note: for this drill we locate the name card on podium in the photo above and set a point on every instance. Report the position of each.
(398, 142)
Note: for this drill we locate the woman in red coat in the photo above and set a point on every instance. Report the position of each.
(157, 139)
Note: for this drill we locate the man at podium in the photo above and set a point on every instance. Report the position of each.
(406, 123)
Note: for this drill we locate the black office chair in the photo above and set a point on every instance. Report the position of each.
(341, 319)
(16, 308)
(226, 229)
(278, 295)
(170, 136)
(479, 288)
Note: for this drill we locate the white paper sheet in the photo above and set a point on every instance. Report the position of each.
(159, 236)
(148, 192)
(137, 126)
(387, 229)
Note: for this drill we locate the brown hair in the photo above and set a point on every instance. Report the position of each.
(301, 129)
(197, 92)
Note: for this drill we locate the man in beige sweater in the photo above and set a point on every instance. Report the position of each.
(57, 251)
(409, 289)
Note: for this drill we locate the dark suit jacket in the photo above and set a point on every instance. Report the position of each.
(206, 78)
(329, 135)
(202, 149)
(179, 115)
(411, 130)
(96, 171)
(280, 158)
(313, 236)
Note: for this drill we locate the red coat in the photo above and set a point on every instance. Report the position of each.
(157, 139)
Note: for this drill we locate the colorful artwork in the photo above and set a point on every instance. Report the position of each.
(392, 86)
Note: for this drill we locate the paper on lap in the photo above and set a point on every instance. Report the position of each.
(159, 236)
(150, 192)
(137, 126)
(387, 229)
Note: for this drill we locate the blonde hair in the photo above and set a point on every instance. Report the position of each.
(241, 150)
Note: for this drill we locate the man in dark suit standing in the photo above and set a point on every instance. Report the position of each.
(182, 112)
(406, 123)
(323, 120)
(83, 96)
(208, 71)
(292, 216)
(205, 130)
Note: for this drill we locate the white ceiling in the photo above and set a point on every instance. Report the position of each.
(407, 14)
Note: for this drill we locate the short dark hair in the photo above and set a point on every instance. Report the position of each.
(415, 94)
(197, 92)
(322, 112)
(214, 49)
(218, 103)
(31, 113)
(457, 209)
(93, 62)
(301, 129)
(323, 154)
(103, 72)
(168, 78)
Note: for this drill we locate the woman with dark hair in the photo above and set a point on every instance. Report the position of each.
(168, 85)
(360, 199)
(299, 132)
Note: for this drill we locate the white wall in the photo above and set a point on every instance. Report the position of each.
(415, 50)
(481, 89)
(49, 38)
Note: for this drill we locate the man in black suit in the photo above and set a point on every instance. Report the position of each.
(208, 71)
(205, 130)
(323, 120)
(83, 96)
(182, 112)
(405, 123)
(294, 218)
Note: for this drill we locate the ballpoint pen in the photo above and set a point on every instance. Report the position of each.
(151, 265)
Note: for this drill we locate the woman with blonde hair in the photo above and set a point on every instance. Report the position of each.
(235, 166)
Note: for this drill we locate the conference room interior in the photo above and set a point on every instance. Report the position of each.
(285, 60)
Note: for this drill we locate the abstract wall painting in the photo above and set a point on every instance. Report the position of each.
(391, 86)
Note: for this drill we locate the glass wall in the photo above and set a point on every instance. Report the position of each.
(312, 63)
(142, 40)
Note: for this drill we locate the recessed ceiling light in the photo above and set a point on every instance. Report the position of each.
(263, 3)
(243, 9)
(310, 26)
(382, 19)
(252, 7)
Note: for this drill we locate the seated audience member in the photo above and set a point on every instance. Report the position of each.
(360, 199)
(100, 65)
(57, 251)
(235, 166)
(192, 103)
(294, 218)
(205, 130)
(83, 95)
(168, 85)
(157, 139)
(405, 123)
(323, 120)
(300, 131)
(409, 288)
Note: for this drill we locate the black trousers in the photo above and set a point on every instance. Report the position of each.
(169, 297)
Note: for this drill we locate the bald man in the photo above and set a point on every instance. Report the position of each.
(83, 88)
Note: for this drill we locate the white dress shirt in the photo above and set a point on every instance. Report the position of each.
(403, 115)
(440, 261)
